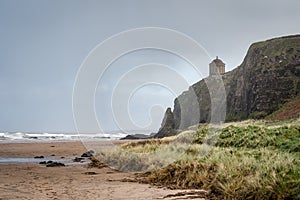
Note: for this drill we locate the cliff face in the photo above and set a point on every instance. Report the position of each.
(167, 126)
(268, 77)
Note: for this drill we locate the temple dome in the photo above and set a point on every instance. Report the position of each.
(216, 67)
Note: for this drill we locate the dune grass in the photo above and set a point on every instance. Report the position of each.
(236, 174)
(257, 160)
(283, 138)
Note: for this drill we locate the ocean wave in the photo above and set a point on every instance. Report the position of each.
(22, 136)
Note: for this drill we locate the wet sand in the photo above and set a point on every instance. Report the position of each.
(35, 181)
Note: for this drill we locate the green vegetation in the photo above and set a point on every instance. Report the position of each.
(249, 160)
(258, 115)
(281, 138)
(289, 110)
(233, 173)
(231, 117)
(145, 146)
(143, 155)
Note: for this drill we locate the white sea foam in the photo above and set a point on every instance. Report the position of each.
(20, 136)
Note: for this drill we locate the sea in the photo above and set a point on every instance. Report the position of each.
(21, 137)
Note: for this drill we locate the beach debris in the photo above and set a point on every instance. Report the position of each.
(53, 155)
(89, 154)
(38, 157)
(193, 194)
(55, 164)
(90, 173)
(129, 180)
(96, 163)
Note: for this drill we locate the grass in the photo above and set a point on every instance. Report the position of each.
(249, 160)
(236, 174)
(96, 163)
(136, 158)
(282, 138)
(145, 146)
(288, 111)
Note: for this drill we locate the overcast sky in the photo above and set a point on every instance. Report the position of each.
(43, 43)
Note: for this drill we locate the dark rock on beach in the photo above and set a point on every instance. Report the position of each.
(76, 159)
(51, 163)
(88, 154)
(38, 157)
(55, 164)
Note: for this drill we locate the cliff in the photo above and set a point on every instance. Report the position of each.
(168, 125)
(268, 77)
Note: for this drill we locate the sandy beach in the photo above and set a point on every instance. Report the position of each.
(35, 181)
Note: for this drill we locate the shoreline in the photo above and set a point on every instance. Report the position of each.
(74, 181)
(46, 149)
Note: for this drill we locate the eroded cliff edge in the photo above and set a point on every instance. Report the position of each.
(268, 77)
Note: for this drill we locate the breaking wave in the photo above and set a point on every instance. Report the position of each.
(22, 136)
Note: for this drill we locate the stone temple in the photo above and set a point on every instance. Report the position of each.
(216, 67)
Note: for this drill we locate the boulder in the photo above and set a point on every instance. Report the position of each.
(38, 157)
(76, 159)
(55, 164)
(88, 154)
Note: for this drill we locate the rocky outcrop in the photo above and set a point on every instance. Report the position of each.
(135, 137)
(268, 77)
(167, 126)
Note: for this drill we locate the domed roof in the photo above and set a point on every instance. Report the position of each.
(218, 61)
(217, 66)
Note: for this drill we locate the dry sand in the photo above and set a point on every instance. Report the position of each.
(35, 181)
